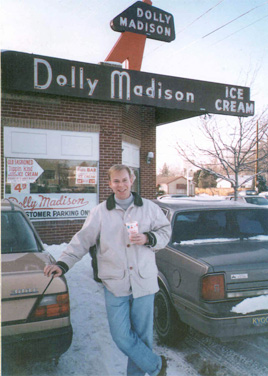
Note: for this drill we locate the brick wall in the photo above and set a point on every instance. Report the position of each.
(111, 119)
(57, 232)
(148, 138)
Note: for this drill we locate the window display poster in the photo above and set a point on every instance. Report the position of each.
(86, 175)
(23, 170)
(56, 206)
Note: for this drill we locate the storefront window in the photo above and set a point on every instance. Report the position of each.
(61, 176)
(52, 189)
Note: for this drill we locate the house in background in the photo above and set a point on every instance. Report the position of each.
(221, 183)
(175, 185)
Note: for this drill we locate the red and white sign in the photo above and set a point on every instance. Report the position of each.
(55, 206)
(86, 175)
(23, 170)
(20, 188)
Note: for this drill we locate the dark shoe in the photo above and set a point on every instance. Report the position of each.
(163, 371)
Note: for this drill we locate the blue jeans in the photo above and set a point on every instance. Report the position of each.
(131, 326)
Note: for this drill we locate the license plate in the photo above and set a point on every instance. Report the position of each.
(260, 321)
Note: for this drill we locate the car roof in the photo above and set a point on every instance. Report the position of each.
(254, 196)
(248, 192)
(8, 205)
(182, 204)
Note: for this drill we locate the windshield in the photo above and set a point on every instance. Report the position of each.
(16, 234)
(220, 224)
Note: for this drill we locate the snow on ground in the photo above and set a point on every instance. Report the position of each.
(251, 305)
(93, 352)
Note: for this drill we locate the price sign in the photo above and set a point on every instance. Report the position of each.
(20, 188)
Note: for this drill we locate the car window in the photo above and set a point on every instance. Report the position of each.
(256, 200)
(16, 234)
(253, 222)
(216, 224)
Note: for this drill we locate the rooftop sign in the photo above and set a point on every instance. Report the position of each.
(173, 97)
(142, 18)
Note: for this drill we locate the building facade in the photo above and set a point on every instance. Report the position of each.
(65, 131)
(65, 123)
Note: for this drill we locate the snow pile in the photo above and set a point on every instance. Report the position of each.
(221, 240)
(201, 241)
(251, 305)
(201, 196)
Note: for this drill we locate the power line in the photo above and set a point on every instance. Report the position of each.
(240, 29)
(228, 23)
(186, 27)
(204, 36)
(198, 18)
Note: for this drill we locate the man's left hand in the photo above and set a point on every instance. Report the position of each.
(139, 239)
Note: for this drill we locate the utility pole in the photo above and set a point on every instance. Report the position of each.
(257, 154)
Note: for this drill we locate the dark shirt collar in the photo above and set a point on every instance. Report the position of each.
(110, 203)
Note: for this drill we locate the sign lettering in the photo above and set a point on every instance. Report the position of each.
(55, 206)
(142, 18)
(23, 170)
(187, 97)
(86, 175)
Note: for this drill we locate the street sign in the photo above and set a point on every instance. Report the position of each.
(142, 18)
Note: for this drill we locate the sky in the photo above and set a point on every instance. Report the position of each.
(222, 41)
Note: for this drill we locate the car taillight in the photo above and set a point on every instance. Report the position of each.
(213, 287)
(52, 306)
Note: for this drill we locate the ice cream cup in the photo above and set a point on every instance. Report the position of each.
(132, 227)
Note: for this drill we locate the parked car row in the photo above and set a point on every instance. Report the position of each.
(249, 196)
(251, 199)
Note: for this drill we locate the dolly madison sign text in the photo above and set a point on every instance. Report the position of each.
(40, 74)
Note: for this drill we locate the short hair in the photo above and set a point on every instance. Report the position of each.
(121, 167)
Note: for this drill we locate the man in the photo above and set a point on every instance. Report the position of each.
(126, 266)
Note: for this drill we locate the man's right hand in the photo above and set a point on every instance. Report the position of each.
(52, 269)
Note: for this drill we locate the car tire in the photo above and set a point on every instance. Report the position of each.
(169, 327)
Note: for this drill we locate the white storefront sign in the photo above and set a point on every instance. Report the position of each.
(55, 206)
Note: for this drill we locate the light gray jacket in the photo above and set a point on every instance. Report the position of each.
(124, 268)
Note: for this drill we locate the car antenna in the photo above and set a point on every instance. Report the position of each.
(40, 297)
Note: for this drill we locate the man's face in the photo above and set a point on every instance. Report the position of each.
(120, 183)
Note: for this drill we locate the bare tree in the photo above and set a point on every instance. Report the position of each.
(232, 150)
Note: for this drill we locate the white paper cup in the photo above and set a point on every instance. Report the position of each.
(132, 227)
